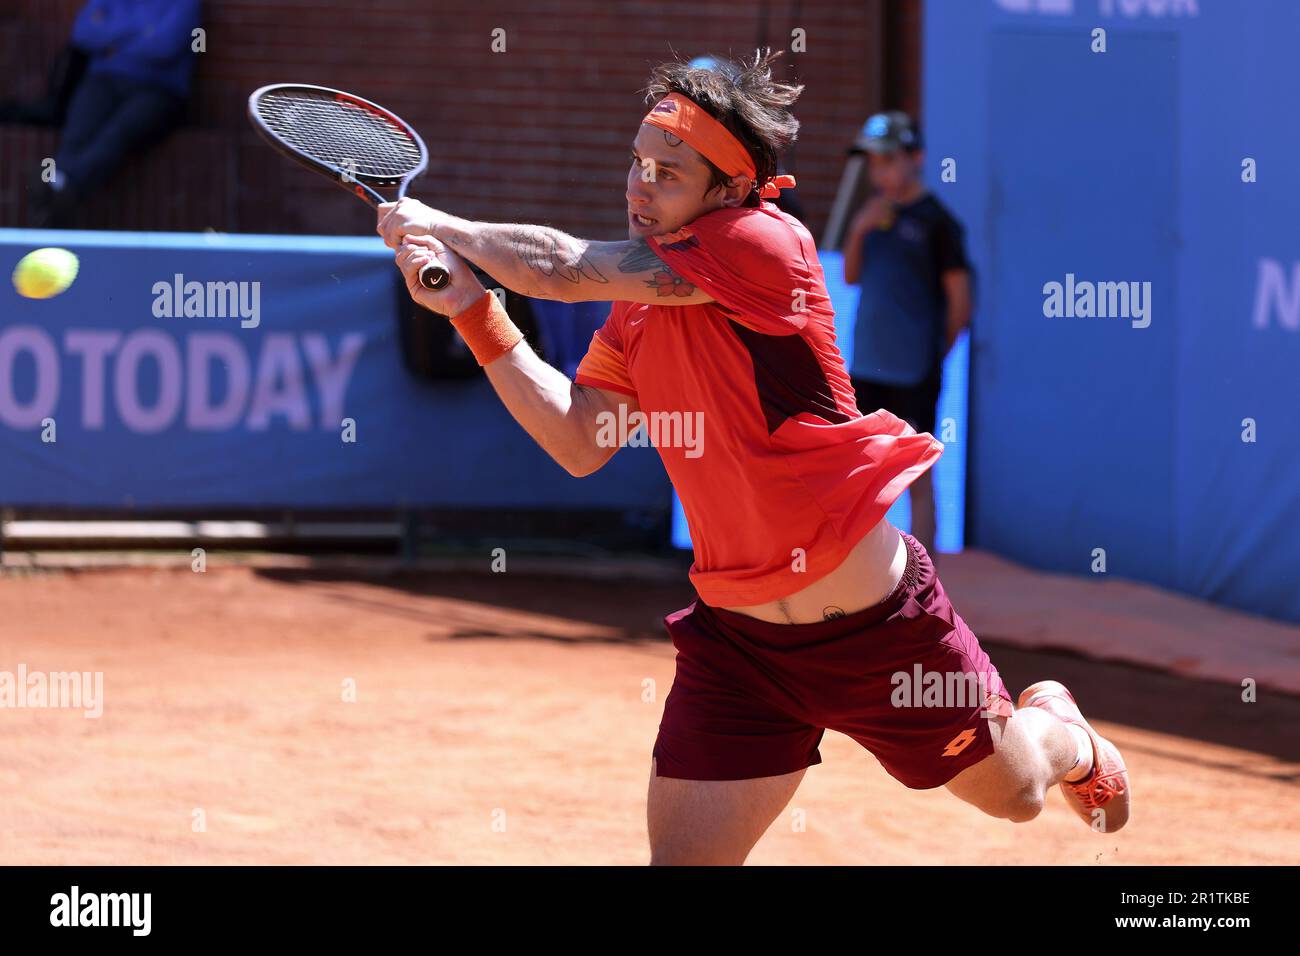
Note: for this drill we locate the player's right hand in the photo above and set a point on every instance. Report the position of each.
(464, 289)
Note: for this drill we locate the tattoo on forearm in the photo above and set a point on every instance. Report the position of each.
(542, 251)
(665, 282)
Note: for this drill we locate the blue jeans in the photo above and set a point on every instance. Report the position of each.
(108, 119)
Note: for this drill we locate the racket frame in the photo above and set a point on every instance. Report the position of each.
(362, 185)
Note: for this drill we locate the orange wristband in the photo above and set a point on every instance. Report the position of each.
(487, 329)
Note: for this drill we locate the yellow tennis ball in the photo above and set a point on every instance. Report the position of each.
(45, 272)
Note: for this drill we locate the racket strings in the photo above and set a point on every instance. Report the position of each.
(340, 133)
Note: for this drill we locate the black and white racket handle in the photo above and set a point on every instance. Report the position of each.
(434, 276)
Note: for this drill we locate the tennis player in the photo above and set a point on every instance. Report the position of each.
(813, 611)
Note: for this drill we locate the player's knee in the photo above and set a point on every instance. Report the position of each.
(1023, 804)
(1014, 800)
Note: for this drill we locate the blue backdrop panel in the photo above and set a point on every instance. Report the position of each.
(1116, 167)
(1071, 203)
(203, 411)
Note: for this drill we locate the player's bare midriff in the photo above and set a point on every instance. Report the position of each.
(866, 577)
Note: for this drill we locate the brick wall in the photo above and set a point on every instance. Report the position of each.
(537, 133)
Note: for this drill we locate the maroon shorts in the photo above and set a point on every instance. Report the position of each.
(905, 678)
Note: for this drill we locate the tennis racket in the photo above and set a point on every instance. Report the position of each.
(357, 143)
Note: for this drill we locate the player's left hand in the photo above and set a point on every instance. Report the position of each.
(416, 252)
(409, 217)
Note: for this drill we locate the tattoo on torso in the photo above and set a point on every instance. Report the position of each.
(829, 613)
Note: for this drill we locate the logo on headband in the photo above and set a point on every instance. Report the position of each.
(665, 106)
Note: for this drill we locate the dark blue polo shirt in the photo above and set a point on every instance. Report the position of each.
(902, 313)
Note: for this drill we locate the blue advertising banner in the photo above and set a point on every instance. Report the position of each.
(208, 370)
(1124, 169)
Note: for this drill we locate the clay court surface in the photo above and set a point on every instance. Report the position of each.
(508, 719)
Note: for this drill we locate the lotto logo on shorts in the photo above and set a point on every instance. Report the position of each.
(959, 743)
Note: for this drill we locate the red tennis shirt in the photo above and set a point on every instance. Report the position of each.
(779, 473)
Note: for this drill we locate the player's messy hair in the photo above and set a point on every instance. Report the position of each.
(745, 99)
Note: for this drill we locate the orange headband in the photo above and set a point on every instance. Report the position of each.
(679, 116)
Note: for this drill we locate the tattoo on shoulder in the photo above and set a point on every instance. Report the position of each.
(832, 613)
(543, 252)
(665, 282)
(639, 258)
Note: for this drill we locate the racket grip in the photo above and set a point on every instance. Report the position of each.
(434, 276)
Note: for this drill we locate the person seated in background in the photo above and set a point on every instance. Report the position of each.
(905, 250)
(139, 69)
